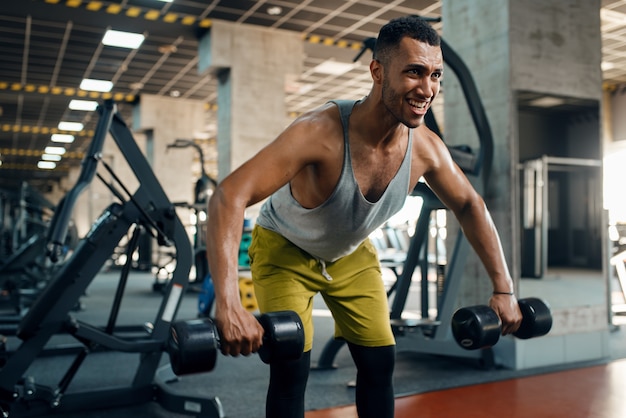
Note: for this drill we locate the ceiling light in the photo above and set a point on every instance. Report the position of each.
(333, 67)
(547, 101)
(203, 136)
(51, 157)
(54, 150)
(166, 1)
(62, 138)
(123, 39)
(305, 88)
(46, 165)
(70, 126)
(606, 65)
(96, 85)
(88, 105)
(274, 10)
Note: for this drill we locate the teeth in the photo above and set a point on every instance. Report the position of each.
(419, 105)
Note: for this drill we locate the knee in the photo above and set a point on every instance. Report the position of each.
(377, 362)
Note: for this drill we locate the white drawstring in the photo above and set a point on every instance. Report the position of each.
(324, 272)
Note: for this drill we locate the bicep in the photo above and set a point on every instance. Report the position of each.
(450, 184)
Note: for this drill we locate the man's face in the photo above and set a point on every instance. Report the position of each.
(412, 80)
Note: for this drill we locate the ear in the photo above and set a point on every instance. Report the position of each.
(377, 71)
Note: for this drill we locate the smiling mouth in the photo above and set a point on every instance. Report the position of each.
(419, 105)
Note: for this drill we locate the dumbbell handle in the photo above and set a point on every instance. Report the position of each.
(218, 339)
(193, 344)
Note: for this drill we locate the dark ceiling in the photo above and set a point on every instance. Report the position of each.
(49, 46)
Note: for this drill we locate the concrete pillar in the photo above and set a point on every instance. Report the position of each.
(157, 122)
(478, 33)
(515, 48)
(162, 120)
(251, 65)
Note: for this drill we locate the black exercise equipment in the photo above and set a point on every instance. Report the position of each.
(434, 334)
(478, 327)
(147, 209)
(193, 344)
(203, 190)
(24, 270)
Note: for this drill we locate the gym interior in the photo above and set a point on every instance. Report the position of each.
(104, 190)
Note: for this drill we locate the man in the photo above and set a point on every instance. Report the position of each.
(332, 177)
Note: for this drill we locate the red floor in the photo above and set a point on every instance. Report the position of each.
(590, 392)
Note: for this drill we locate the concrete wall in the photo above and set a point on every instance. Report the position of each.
(252, 65)
(485, 50)
(551, 48)
(556, 47)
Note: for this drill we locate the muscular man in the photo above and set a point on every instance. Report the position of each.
(333, 176)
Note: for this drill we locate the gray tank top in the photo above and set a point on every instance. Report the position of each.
(338, 226)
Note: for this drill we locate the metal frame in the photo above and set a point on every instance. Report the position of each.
(147, 208)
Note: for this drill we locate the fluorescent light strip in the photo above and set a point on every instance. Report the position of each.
(88, 105)
(102, 86)
(46, 165)
(54, 150)
(62, 138)
(70, 126)
(333, 67)
(123, 39)
(547, 101)
(51, 157)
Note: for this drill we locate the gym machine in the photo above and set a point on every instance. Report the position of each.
(24, 270)
(146, 209)
(434, 336)
(203, 189)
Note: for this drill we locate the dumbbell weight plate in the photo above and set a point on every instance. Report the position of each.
(476, 327)
(283, 338)
(536, 318)
(193, 346)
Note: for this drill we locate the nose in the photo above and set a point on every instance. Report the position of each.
(427, 87)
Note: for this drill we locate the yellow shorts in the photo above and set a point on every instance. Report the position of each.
(287, 278)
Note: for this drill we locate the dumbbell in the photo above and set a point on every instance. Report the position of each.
(193, 344)
(478, 326)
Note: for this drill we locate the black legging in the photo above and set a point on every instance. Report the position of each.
(374, 384)
(285, 395)
(374, 380)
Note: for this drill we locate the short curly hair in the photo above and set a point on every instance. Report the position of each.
(392, 33)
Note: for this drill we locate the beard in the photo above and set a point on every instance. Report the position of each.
(394, 103)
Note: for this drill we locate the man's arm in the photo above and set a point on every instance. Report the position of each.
(255, 180)
(455, 191)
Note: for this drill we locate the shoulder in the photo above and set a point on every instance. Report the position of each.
(325, 117)
(320, 126)
(429, 149)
